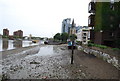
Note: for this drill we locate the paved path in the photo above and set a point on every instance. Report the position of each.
(95, 67)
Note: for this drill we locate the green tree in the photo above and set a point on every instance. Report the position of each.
(57, 36)
(64, 37)
(73, 37)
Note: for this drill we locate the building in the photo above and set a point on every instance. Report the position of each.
(79, 35)
(11, 37)
(5, 32)
(105, 22)
(78, 28)
(73, 28)
(18, 33)
(0, 36)
(83, 35)
(66, 25)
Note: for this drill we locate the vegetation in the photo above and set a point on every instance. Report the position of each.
(79, 42)
(73, 37)
(57, 36)
(5, 36)
(63, 37)
(108, 18)
(105, 16)
(96, 45)
(102, 46)
(116, 49)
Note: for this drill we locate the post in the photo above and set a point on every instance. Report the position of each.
(72, 52)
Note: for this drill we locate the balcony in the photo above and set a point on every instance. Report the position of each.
(91, 7)
(91, 19)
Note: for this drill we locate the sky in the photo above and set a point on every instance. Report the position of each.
(42, 18)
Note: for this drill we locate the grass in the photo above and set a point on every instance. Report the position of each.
(102, 46)
(116, 49)
(96, 45)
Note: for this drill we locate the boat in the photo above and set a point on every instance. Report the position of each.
(35, 41)
(45, 42)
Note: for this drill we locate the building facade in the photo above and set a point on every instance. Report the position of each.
(5, 32)
(66, 25)
(0, 36)
(83, 35)
(73, 28)
(105, 22)
(18, 33)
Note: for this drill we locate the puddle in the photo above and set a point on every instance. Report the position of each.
(49, 50)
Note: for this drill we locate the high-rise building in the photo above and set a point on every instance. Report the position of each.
(105, 22)
(66, 25)
(5, 32)
(77, 28)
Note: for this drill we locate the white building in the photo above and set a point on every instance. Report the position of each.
(83, 35)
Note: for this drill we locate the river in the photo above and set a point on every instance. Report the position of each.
(13, 44)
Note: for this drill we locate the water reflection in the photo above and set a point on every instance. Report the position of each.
(5, 44)
(17, 43)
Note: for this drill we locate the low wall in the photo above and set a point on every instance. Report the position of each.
(106, 57)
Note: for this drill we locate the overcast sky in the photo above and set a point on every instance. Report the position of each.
(41, 18)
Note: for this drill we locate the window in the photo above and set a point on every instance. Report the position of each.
(89, 21)
(89, 7)
(111, 34)
(112, 7)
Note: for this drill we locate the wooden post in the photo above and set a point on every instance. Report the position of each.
(72, 52)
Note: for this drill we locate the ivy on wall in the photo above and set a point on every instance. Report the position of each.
(105, 17)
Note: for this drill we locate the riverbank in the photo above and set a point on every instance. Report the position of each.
(15, 51)
(53, 62)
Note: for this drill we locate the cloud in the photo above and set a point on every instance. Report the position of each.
(42, 17)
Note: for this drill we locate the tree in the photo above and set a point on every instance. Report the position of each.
(64, 37)
(73, 37)
(57, 36)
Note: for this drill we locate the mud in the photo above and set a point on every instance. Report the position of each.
(53, 62)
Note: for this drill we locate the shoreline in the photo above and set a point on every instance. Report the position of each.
(15, 51)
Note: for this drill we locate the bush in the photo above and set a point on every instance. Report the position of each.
(96, 45)
(90, 45)
(79, 42)
(116, 49)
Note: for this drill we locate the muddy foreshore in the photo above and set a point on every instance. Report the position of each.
(53, 62)
(15, 51)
